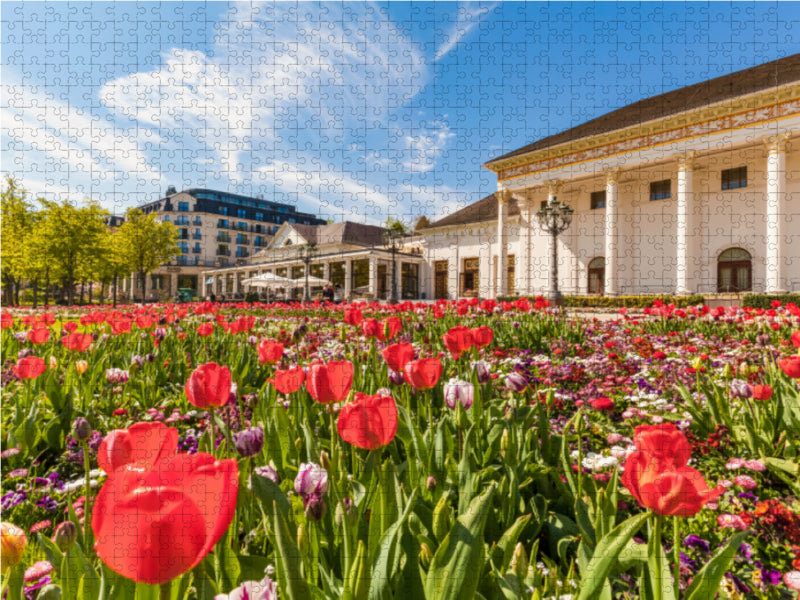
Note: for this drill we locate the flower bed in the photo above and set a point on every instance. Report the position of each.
(450, 450)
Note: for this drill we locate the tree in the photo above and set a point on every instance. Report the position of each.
(421, 223)
(145, 244)
(397, 226)
(72, 237)
(17, 228)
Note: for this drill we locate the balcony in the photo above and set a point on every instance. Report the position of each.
(182, 221)
(242, 253)
(221, 252)
(223, 237)
(198, 221)
(196, 250)
(197, 236)
(242, 239)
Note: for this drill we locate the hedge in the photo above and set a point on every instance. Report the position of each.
(620, 301)
(766, 300)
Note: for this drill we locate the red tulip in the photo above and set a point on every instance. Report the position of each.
(70, 326)
(120, 325)
(77, 341)
(145, 321)
(791, 366)
(602, 403)
(353, 316)
(167, 519)
(423, 374)
(762, 392)
(143, 443)
(205, 329)
(209, 386)
(370, 327)
(47, 318)
(397, 356)
(289, 381)
(269, 352)
(458, 340)
(482, 336)
(39, 335)
(29, 367)
(6, 320)
(389, 328)
(657, 476)
(368, 422)
(329, 382)
(796, 338)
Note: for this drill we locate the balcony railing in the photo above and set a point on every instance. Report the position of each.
(197, 236)
(223, 252)
(223, 237)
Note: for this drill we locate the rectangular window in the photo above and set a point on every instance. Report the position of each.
(241, 213)
(198, 221)
(183, 207)
(223, 210)
(298, 272)
(241, 252)
(197, 235)
(734, 178)
(598, 199)
(469, 277)
(360, 276)
(660, 190)
(409, 279)
(222, 223)
(259, 216)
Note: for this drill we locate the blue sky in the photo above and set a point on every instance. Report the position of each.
(354, 111)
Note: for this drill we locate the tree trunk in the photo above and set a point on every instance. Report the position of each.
(91, 285)
(102, 292)
(69, 283)
(35, 285)
(17, 286)
(115, 290)
(80, 297)
(47, 287)
(142, 275)
(9, 292)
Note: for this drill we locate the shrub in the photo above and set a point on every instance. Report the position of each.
(765, 300)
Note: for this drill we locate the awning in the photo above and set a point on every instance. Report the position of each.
(209, 281)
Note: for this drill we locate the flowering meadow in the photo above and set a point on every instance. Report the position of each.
(455, 450)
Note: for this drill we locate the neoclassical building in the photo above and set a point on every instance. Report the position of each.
(692, 191)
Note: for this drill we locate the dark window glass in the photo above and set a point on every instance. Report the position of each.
(660, 190)
(599, 199)
(734, 178)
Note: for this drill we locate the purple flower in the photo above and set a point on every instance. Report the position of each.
(395, 378)
(266, 589)
(249, 442)
(516, 382)
(311, 479)
(268, 472)
(694, 541)
(482, 371)
(741, 389)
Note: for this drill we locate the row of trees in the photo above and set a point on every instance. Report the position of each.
(61, 243)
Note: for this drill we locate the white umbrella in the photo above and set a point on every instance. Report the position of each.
(268, 280)
(312, 281)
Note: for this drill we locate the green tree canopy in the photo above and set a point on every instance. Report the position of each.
(144, 244)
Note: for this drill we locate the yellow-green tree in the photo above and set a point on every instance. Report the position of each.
(17, 228)
(145, 244)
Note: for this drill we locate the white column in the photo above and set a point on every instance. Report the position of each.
(552, 191)
(524, 266)
(173, 285)
(685, 225)
(399, 280)
(454, 268)
(236, 282)
(503, 196)
(611, 283)
(373, 277)
(776, 212)
(348, 278)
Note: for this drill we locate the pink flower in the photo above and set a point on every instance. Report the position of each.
(792, 580)
(755, 465)
(727, 521)
(38, 570)
(726, 483)
(614, 438)
(746, 482)
(734, 463)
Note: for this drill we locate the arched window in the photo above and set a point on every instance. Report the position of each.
(735, 271)
(597, 275)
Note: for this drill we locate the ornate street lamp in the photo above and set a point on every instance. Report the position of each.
(307, 253)
(554, 219)
(391, 239)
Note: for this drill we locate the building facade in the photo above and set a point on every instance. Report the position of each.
(216, 229)
(351, 256)
(693, 191)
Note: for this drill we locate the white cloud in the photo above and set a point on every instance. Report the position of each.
(469, 15)
(425, 148)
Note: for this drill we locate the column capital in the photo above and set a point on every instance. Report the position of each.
(612, 175)
(686, 160)
(553, 186)
(777, 143)
(503, 196)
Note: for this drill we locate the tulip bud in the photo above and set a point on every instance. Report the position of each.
(396, 378)
(505, 442)
(697, 362)
(302, 540)
(81, 366)
(442, 519)
(81, 429)
(338, 515)
(740, 389)
(727, 371)
(298, 444)
(482, 371)
(519, 562)
(65, 535)
(325, 460)
(431, 483)
(12, 545)
(425, 555)
(744, 370)
(315, 507)
(53, 362)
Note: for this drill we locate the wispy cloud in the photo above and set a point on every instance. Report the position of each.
(469, 16)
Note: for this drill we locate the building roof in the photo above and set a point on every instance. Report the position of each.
(341, 233)
(773, 74)
(482, 210)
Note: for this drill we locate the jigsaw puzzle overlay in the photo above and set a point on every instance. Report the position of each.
(400, 300)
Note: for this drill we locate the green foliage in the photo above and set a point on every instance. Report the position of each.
(144, 244)
(766, 300)
(620, 301)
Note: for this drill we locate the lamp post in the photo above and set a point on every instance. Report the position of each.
(554, 219)
(391, 238)
(307, 254)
